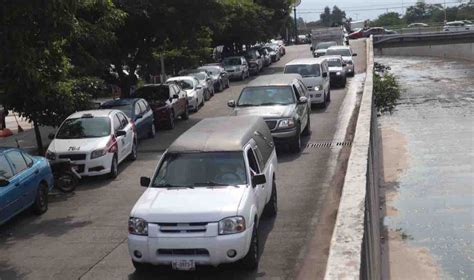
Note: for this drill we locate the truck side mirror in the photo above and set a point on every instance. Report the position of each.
(259, 179)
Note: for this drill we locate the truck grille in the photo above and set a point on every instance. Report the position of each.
(183, 252)
(73, 156)
(272, 124)
(182, 228)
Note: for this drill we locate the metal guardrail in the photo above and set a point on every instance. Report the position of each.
(396, 40)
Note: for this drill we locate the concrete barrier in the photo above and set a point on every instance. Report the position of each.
(355, 244)
(453, 51)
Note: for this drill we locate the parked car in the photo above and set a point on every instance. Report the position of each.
(377, 31)
(315, 75)
(237, 67)
(219, 75)
(205, 80)
(25, 181)
(138, 111)
(347, 56)
(278, 48)
(274, 55)
(193, 89)
(283, 101)
(322, 47)
(210, 214)
(417, 24)
(267, 60)
(455, 26)
(95, 141)
(337, 70)
(255, 61)
(167, 101)
(281, 46)
(357, 34)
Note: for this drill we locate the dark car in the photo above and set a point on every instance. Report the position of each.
(25, 181)
(255, 61)
(274, 54)
(138, 111)
(219, 75)
(168, 101)
(267, 59)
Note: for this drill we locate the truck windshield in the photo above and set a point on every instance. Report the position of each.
(304, 70)
(84, 128)
(201, 170)
(265, 96)
(342, 52)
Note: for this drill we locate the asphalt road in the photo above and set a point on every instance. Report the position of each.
(84, 235)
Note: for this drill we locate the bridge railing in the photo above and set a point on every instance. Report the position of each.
(355, 244)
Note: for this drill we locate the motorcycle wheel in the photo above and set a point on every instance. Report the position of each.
(66, 182)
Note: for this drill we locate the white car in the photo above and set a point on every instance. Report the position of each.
(457, 26)
(347, 56)
(95, 141)
(204, 203)
(193, 88)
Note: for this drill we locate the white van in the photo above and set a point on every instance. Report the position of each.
(315, 73)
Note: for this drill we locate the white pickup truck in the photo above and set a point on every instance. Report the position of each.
(204, 202)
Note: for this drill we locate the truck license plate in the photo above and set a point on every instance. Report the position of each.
(186, 265)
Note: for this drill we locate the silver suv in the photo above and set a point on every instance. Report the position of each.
(282, 100)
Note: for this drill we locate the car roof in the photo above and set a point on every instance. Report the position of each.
(181, 78)
(93, 113)
(275, 80)
(120, 102)
(339, 48)
(219, 134)
(309, 61)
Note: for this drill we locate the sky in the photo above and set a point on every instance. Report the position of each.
(310, 10)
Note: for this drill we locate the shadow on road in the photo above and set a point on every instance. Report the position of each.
(225, 271)
(9, 272)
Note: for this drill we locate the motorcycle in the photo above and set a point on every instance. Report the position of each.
(66, 177)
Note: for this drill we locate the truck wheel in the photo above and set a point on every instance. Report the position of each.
(250, 261)
(295, 145)
(307, 130)
(272, 205)
(140, 267)
(41, 201)
(329, 95)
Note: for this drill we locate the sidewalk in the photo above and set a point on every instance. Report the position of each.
(27, 138)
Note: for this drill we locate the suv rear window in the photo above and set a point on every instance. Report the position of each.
(266, 96)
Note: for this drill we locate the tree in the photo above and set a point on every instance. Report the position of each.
(326, 17)
(337, 16)
(388, 19)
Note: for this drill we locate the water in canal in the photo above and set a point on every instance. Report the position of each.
(435, 188)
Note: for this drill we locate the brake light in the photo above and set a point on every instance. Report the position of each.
(112, 144)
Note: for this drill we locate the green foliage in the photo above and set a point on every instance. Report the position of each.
(335, 18)
(388, 19)
(386, 92)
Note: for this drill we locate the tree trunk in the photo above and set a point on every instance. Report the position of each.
(39, 141)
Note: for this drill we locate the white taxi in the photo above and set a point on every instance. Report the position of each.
(95, 141)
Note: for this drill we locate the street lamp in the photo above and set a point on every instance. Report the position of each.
(295, 4)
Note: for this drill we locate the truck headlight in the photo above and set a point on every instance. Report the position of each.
(338, 73)
(98, 153)
(286, 123)
(318, 87)
(137, 226)
(50, 155)
(231, 225)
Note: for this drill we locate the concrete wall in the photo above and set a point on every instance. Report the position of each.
(454, 51)
(355, 244)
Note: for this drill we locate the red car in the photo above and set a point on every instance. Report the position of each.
(356, 34)
(168, 101)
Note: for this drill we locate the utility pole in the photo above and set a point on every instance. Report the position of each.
(296, 26)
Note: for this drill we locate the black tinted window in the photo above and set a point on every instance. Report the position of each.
(17, 160)
(253, 162)
(5, 170)
(88, 127)
(28, 159)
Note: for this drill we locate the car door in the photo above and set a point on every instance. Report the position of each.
(9, 194)
(182, 101)
(24, 184)
(139, 120)
(147, 116)
(117, 124)
(129, 136)
(326, 82)
(199, 91)
(301, 109)
(254, 169)
(174, 101)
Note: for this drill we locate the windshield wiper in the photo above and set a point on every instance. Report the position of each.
(246, 105)
(214, 184)
(271, 103)
(170, 186)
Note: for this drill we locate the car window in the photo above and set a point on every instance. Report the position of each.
(266, 95)
(28, 159)
(297, 92)
(172, 91)
(142, 108)
(259, 156)
(123, 120)
(137, 109)
(252, 162)
(5, 169)
(144, 105)
(301, 88)
(17, 160)
(85, 127)
(117, 123)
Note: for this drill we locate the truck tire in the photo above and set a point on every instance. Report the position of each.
(271, 208)
(295, 145)
(250, 261)
(40, 205)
